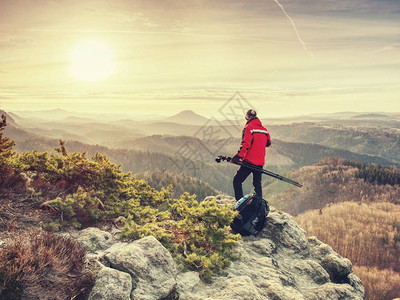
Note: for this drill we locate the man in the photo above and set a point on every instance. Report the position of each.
(255, 138)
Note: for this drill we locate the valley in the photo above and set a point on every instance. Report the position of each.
(347, 162)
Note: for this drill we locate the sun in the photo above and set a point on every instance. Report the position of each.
(92, 61)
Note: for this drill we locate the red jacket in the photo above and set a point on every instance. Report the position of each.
(255, 138)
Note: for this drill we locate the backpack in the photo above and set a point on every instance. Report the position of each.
(252, 213)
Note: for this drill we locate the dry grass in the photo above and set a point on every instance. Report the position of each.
(366, 233)
(40, 265)
(379, 284)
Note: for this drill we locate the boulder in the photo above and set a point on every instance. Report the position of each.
(311, 270)
(93, 239)
(188, 283)
(285, 232)
(274, 289)
(332, 291)
(150, 265)
(238, 287)
(111, 284)
(337, 266)
(279, 263)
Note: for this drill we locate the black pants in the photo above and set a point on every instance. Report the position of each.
(241, 176)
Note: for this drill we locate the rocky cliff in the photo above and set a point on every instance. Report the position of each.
(280, 263)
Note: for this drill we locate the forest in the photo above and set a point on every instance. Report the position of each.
(336, 180)
(354, 207)
(180, 182)
(366, 233)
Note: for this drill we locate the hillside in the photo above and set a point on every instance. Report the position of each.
(282, 155)
(364, 134)
(366, 233)
(355, 208)
(135, 161)
(336, 180)
(304, 154)
(83, 130)
(167, 248)
(294, 145)
(380, 140)
(9, 118)
(180, 182)
(167, 152)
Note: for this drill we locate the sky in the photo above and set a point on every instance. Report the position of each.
(284, 57)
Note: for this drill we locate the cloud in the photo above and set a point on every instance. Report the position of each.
(201, 44)
(14, 38)
(386, 48)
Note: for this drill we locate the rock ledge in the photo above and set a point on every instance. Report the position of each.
(280, 263)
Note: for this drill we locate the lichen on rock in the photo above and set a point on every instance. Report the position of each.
(93, 239)
(279, 263)
(111, 284)
(150, 265)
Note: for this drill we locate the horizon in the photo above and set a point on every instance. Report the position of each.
(285, 58)
(27, 114)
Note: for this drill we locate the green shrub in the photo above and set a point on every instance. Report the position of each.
(79, 207)
(9, 178)
(53, 226)
(197, 234)
(82, 191)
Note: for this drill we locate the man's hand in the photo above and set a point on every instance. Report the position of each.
(236, 159)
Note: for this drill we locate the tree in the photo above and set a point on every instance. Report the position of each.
(9, 177)
(6, 144)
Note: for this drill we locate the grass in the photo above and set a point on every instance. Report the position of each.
(40, 265)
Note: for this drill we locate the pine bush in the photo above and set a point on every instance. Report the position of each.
(9, 178)
(197, 234)
(82, 191)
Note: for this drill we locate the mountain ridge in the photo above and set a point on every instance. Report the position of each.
(186, 117)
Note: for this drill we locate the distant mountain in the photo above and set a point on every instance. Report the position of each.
(366, 116)
(60, 114)
(372, 139)
(10, 119)
(51, 114)
(340, 114)
(303, 154)
(11, 115)
(76, 119)
(351, 114)
(187, 117)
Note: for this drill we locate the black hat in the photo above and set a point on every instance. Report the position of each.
(251, 114)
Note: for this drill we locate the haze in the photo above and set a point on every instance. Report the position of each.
(285, 58)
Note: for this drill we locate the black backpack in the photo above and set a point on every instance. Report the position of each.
(252, 213)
